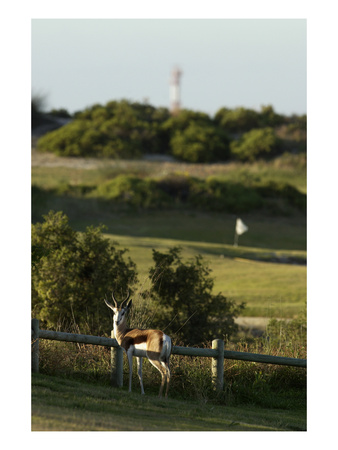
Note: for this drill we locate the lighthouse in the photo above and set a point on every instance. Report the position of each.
(175, 90)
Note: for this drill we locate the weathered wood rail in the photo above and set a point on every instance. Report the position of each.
(217, 353)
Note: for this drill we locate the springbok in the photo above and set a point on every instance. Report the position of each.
(157, 344)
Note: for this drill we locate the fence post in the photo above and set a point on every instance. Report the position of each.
(217, 364)
(35, 346)
(116, 361)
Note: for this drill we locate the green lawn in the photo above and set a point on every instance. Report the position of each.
(244, 273)
(269, 289)
(68, 405)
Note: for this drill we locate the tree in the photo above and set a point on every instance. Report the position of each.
(237, 120)
(118, 130)
(66, 141)
(38, 103)
(62, 112)
(200, 143)
(269, 118)
(255, 144)
(72, 272)
(183, 119)
(187, 307)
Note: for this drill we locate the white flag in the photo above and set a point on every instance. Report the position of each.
(241, 227)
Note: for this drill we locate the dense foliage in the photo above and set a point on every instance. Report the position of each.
(186, 306)
(213, 193)
(71, 274)
(130, 130)
(255, 144)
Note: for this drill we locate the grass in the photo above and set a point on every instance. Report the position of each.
(76, 394)
(71, 405)
(269, 289)
(86, 171)
(245, 383)
(246, 273)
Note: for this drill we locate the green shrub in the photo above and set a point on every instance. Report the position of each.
(72, 272)
(257, 143)
(247, 193)
(187, 307)
(119, 130)
(133, 191)
(237, 120)
(200, 143)
(280, 190)
(66, 141)
(220, 195)
(129, 130)
(175, 186)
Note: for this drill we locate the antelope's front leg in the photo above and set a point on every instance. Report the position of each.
(130, 363)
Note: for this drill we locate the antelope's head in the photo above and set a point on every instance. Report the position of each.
(120, 312)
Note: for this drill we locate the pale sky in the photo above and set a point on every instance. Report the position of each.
(225, 62)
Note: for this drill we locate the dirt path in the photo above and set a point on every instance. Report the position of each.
(255, 326)
(51, 160)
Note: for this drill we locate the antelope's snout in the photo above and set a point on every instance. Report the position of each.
(118, 317)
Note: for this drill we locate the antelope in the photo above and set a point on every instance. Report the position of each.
(158, 345)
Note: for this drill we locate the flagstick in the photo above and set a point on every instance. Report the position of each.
(236, 240)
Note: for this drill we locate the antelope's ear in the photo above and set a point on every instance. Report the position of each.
(130, 304)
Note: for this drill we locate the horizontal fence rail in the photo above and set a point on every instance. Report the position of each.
(217, 353)
(79, 338)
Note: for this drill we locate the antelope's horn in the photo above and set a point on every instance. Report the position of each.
(108, 304)
(124, 301)
(112, 294)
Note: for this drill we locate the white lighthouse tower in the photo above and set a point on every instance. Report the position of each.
(175, 103)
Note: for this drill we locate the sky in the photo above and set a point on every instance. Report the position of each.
(76, 63)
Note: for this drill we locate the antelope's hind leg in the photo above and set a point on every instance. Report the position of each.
(139, 372)
(168, 374)
(156, 363)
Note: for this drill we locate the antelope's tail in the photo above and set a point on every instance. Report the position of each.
(166, 349)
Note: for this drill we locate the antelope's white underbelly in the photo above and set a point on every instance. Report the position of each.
(141, 346)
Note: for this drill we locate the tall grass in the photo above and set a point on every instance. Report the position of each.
(265, 385)
(77, 171)
(245, 382)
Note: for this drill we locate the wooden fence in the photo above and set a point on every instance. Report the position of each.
(217, 353)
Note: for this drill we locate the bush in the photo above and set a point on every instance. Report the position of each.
(129, 130)
(257, 143)
(280, 190)
(133, 191)
(69, 140)
(118, 130)
(71, 274)
(240, 120)
(220, 195)
(237, 120)
(244, 192)
(200, 144)
(176, 187)
(188, 309)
